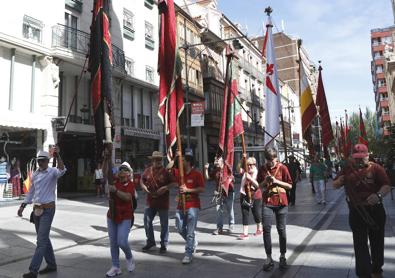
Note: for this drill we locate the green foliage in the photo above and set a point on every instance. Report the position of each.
(377, 145)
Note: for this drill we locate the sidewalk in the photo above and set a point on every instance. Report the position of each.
(79, 236)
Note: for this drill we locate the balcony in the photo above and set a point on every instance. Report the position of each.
(382, 89)
(379, 47)
(379, 61)
(385, 117)
(77, 41)
(384, 103)
(74, 4)
(380, 75)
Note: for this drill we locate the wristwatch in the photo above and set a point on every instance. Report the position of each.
(380, 197)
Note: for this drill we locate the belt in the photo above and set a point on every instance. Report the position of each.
(44, 206)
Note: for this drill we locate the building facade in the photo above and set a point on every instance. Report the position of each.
(44, 60)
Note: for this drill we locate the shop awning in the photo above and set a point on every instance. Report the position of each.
(17, 120)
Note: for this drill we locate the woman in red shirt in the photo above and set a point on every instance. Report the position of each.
(119, 224)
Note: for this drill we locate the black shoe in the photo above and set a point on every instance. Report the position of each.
(283, 263)
(29, 275)
(268, 265)
(163, 249)
(48, 269)
(148, 246)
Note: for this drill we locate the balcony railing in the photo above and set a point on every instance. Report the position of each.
(78, 41)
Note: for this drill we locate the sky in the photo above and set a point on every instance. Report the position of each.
(337, 32)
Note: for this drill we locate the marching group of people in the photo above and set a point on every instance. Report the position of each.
(266, 191)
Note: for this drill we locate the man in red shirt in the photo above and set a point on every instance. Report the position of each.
(186, 218)
(274, 179)
(156, 181)
(365, 183)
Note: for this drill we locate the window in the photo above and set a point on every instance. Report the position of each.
(381, 82)
(147, 122)
(128, 24)
(379, 69)
(149, 36)
(129, 66)
(149, 74)
(70, 36)
(32, 29)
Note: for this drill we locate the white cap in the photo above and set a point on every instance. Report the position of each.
(42, 155)
(126, 165)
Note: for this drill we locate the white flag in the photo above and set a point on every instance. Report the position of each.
(272, 89)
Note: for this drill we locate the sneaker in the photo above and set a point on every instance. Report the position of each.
(258, 233)
(243, 236)
(130, 265)
(186, 260)
(268, 264)
(148, 246)
(218, 231)
(324, 202)
(163, 249)
(231, 228)
(283, 263)
(114, 271)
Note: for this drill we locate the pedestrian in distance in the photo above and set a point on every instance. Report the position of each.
(295, 171)
(275, 180)
(119, 219)
(156, 182)
(42, 194)
(221, 198)
(187, 217)
(366, 184)
(318, 172)
(99, 180)
(249, 179)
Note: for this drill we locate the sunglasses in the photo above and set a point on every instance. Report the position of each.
(251, 164)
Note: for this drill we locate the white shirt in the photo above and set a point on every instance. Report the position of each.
(43, 188)
(98, 174)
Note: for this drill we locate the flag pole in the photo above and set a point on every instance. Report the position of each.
(284, 137)
(247, 185)
(107, 154)
(180, 164)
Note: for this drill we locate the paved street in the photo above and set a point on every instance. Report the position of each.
(319, 242)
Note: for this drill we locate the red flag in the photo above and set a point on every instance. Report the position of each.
(231, 121)
(171, 94)
(100, 66)
(347, 139)
(362, 137)
(327, 133)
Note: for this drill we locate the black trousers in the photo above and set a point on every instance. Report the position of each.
(256, 210)
(291, 194)
(368, 262)
(281, 223)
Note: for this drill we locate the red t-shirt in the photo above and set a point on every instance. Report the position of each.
(123, 209)
(360, 183)
(155, 179)
(280, 172)
(193, 179)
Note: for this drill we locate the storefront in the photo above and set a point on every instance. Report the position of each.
(78, 152)
(136, 145)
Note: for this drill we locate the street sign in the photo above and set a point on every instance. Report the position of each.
(197, 113)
